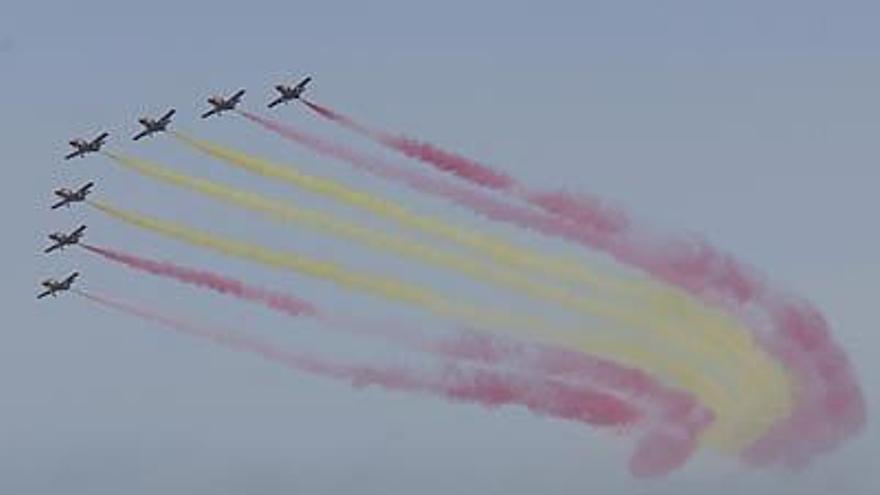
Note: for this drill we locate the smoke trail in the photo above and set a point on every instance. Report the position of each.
(496, 249)
(726, 334)
(479, 385)
(830, 406)
(582, 209)
(275, 300)
(461, 345)
(389, 288)
(680, 420)
(392, 289)
(398, 244)
(773, 397)
(737, 417)
(467, 345)
(443, 160)
(759, 373)
(200, 278)
(494, 209)
(690, 264)
(488, 388)
(669, 331)
(727, 339)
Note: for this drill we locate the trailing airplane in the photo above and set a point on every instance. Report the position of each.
(69, 196)
(221, 104)
(289, 93)
(83, 147)
(152, 126)
(54, 286)
(61, 239)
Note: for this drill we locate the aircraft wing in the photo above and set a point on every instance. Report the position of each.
(143, 133)
(79, 231)
(44, 294)
(167, 115)
(276, 101)
(53, 247)
(87, 187)
(102, 137)
(70, 279)
(210, 112)
(60, 203)
(237, 96)
(74, 154)
(302, 84)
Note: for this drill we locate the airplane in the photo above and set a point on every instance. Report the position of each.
(61, 239)
(69, 196)
(54, 286)
(152, 126)
(82, 146)
(222, 104)
(290, 93)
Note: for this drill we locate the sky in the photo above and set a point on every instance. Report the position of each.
(752, 123)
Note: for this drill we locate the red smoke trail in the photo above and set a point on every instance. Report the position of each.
(582, 209)
(467, 345)
(477, 201)
(275, 300)
(445, 161)
(676, 418)
(830, 406)
(463, 384)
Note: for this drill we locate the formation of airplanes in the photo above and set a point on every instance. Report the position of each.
(82, 147)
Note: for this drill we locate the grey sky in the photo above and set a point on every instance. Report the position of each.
(751, 122)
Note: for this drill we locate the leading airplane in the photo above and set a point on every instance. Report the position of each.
(54, 286)
(69, 196)
(221, 104)
(152, 126)
(289, 93)
(83, 147)
(61, 239)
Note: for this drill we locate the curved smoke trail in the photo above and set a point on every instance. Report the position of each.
(768, 385)
(724, 334)
(657, 452)
(496, 249)
(762, 373)
(669, 367)
(669, 409)
(830, 406)
(669, 326)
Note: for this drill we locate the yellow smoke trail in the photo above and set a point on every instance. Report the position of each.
(499, 250)
(496, 249)
(715, 325)
(760, 372)
(734, 428)
(662, 331)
